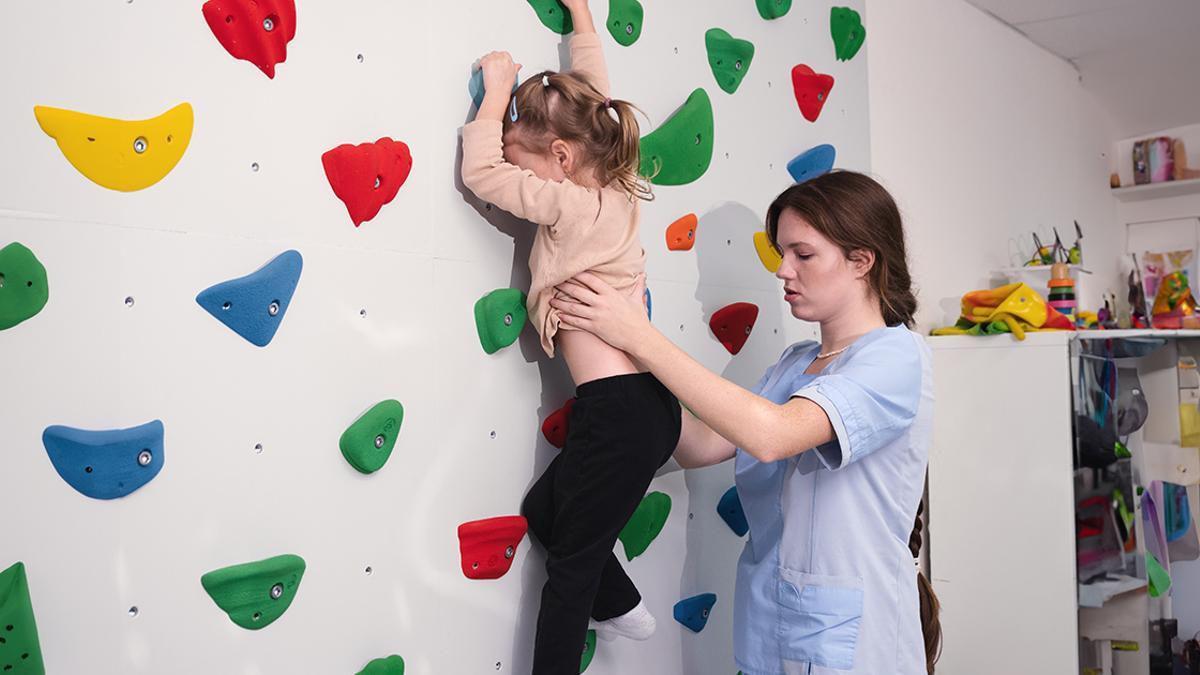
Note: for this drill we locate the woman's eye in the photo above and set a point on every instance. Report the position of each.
(804, 256)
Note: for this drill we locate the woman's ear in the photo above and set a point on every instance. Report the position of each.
(862, 260)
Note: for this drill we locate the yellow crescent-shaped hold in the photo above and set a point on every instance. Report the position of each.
(766, 252)
(123, 155)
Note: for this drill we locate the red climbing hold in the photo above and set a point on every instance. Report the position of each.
(489, 546)
(367, 176)
(681, 234)
(812, 90)
(732, 324)
(253, 30)
(554, 428)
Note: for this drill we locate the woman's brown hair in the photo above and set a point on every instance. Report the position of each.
(931, 623)
(567, 106)
(856, 213)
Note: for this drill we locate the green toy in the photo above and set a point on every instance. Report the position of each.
(1157, 578)
(625, 21)
(23, 286)
(680, 150)
(728, 57)
(645, 524)
(845, 25)
(392, 665)
(499, 317)
(589, 650)
(773, 9)
(554, 15)
(368, 442)
(257, 593)
(20, 652)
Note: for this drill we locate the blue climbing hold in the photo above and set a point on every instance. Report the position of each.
(693, 612)
(730, 510)
(812, 163)
(475, 86)
(106, 464)
(649, 305)
(253, 305)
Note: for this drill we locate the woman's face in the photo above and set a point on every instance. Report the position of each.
(818, 281)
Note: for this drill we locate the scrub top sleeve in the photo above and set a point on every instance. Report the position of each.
(870, 400)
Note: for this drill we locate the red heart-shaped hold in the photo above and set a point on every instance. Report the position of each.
(812, 90)
(554, 427)
(489, 546)
(367, 176)
(732, 324)
(257, 31)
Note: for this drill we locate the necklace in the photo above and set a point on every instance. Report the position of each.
(833, 353)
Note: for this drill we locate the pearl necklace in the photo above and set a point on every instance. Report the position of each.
(833, 353)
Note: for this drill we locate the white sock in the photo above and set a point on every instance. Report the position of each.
(636, 624)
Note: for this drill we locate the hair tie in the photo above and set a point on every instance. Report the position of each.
(512, 109)
(545, 80)
(608, 104)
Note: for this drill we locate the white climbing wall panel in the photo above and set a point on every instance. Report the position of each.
(381, 311)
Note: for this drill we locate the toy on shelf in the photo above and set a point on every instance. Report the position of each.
(1062, 290)
(1165, 284)
(1014, 308)
(1138, 316)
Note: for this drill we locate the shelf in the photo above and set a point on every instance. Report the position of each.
(1029, 269)
(1098, 593)
(1171, 188)
(1170, 463)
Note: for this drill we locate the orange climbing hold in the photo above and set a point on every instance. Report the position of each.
(489, 546)
(681, 234)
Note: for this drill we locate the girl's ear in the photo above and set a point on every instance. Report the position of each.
(563, 154)
(862, 260)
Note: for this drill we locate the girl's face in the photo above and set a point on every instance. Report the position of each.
(819, 282)
(544, 165)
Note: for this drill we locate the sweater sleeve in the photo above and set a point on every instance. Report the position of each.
(587, 58)
(516, 190)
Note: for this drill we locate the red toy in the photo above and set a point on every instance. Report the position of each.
(489, 546)
(367, 176)
(812, 90)
(732, 324)
(554, 428)
(254, 31)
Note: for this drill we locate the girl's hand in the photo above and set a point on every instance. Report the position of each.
(499, 73)
(581, 15)
(574, 5)
(588, 303)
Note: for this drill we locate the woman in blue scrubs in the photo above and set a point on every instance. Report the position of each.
(830, 447)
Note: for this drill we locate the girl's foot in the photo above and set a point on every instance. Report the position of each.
(636, 624)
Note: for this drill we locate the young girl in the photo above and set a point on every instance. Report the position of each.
(562, 154)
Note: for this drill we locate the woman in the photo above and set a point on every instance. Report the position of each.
(831, 446)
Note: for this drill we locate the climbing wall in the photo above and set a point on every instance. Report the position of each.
(266, 279)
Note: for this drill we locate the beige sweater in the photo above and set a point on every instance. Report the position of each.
(581, 229)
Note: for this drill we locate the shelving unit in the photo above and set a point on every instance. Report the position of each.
(1171, 188)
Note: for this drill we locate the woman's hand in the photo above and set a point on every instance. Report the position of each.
(588, 303)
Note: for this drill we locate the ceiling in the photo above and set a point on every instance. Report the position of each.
(1140, 58)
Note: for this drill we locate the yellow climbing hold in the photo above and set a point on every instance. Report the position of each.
(766, 252)
(123, 155)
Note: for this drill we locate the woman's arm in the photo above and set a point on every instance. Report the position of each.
(699, 445)
(766, 430)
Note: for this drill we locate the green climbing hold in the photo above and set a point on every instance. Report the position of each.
(23, 286)
(625, 21)
(589, 650)
(257, 593)
(368, 442)
(845, 25)
(645, 524)
(728, 57)
(554, 15)
(773, 9)
(20, 652)
(499, 317)
(392, 665)
(680, 149)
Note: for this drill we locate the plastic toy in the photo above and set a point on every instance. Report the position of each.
(1014, 308)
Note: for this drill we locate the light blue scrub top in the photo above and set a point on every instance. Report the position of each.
(827, 583)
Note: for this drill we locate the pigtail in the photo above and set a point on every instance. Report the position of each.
(931, 624)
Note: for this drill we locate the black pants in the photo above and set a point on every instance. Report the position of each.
(621, 430)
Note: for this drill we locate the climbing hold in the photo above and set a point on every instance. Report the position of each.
(20, 651)
(499, 317)
(367, 176)
(728, 57)
(476, 88)
(368, 442)
(554, 15)
(625, 21)
(123, 155)
(489, 546)
(773, 9)
(106, 464)
(554, 427)
(589, 650)
(813, 162)
(680, 149)
(645, 524)
(24, 288)
(693, 612)
(255, 594)
(767, 253)
(681, 234)
(730, 510)
(392, 665)
(845, 25)
(732, 324)
(252, 306)
(649, 305)
(257, 31)
(811, 89)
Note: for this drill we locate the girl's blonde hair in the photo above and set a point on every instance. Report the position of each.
(553, 105)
